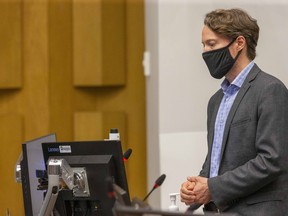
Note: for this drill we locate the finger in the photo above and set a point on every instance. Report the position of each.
(191, 186)
(187, 197)
(192, 178)
(186, 191)
(189, 203)
(190, 199)
(185, 184)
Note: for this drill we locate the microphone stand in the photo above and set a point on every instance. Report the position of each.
(149, 194)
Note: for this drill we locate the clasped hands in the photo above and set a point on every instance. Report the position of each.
(195, 191)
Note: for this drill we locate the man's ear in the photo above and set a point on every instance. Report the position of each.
(241, 42)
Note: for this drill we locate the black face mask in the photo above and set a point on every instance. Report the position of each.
(219, 61)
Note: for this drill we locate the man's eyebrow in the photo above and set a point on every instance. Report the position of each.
(210, 40)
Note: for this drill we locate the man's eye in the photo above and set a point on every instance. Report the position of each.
(211, 45)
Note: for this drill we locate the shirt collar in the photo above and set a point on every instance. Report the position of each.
(239, 80)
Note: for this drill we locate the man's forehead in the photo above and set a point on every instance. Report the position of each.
(208, 32)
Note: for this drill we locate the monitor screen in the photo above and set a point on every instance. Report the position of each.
(33, 160)
(100, 159)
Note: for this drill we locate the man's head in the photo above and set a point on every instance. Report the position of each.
(229, 40)
(231, 24)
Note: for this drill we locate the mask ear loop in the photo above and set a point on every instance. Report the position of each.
(239, 52)
(231, 42)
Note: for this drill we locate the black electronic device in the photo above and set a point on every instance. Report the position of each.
(33, 160)
(100, 160)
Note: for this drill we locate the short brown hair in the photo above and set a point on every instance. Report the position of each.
(233, 23)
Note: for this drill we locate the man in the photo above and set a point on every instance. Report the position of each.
(246, 168)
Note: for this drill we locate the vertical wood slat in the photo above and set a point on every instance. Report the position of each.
(60, 68)
(48, 63)
(134, 102)
(96, 125)
(11, 127)
(99, 42)
(10, 52)
(34, 97)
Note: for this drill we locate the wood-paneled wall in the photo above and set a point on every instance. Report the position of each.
(72, 67)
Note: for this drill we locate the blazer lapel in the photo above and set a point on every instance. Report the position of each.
(246, 85)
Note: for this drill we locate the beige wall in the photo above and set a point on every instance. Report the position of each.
(180, 84)
(72, 67)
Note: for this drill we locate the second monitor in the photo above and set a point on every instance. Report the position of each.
(99, 159)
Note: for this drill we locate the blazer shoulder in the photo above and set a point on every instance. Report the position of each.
(263, 78)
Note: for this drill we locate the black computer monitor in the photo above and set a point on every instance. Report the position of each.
(101, 159)
(33, 160)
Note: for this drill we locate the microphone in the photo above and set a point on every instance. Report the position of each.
(157, 184)
(127, 154)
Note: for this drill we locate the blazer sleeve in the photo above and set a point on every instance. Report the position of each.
(271, 147)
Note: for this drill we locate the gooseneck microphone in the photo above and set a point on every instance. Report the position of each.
(127, 154)
(157, 184)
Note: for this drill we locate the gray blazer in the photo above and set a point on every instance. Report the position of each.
(253, 173)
